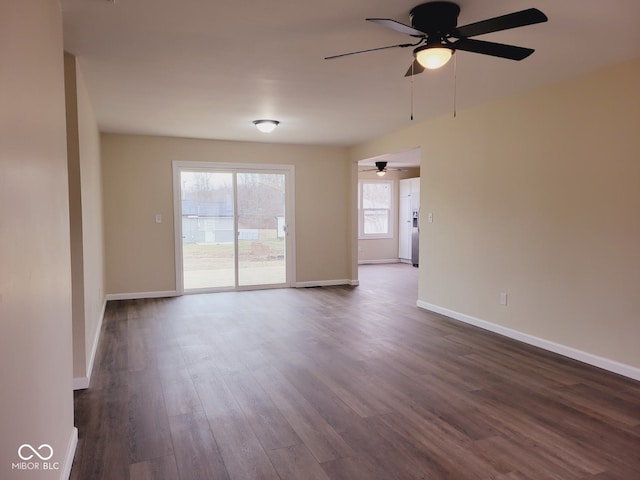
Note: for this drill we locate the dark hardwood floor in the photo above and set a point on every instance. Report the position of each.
(341, 383)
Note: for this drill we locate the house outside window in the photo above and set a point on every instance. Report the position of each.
(375, 202)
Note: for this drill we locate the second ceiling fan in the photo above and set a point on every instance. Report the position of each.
(381, 169)
(434, 26)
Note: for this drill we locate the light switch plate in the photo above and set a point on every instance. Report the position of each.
(503, 298)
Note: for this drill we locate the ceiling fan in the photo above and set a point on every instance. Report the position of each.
(381, 169)
(434, 26)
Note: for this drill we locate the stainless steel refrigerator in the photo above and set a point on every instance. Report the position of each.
(415, 238)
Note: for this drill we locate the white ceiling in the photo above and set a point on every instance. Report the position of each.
(407, 159)
(207, 68)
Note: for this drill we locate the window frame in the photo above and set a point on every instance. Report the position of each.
(390, 210)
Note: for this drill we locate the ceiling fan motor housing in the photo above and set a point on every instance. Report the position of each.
(435, 18)
(381, 166)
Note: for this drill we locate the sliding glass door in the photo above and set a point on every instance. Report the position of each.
(208, 233)
(233, 229)
(261, 229)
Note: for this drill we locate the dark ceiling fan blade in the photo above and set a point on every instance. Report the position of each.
(402, 45)
(512, 20)
(385, 170)
(414, 69)
(490, 48)
(397, 26)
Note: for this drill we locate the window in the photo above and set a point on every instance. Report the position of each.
(375, 200)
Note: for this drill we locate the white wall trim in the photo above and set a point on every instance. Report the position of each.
(327, 283)
(582, 356)
(96, 340)
(69, 455)
(177, 225)
(376, 262)
(137, 295)
(80, 383)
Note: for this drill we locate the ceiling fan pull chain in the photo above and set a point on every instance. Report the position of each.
(411, 91)
(455, 84)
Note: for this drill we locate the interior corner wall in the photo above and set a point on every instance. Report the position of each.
(537, 196)
(36, 404)
(85, 209)
(92, 220)
(138, 184)
(75, 218)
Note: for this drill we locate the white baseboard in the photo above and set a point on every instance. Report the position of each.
(69, 455)
(327, 283)
(378, 262)
(80, 383)
(137, 295)
(585, 357)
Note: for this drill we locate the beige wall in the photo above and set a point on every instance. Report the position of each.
(36, 403)
(85, 198)
(383, 249)
(538, 196)
(137, 182)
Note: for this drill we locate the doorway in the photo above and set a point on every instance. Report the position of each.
(395, 243)
(234, 228)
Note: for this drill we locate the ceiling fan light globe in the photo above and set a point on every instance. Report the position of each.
(433, 57)
(381, 173)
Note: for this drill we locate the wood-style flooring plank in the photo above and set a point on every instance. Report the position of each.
(243, 455)
(387, 454)
(148, 425)
(271, 428)
(436, 446)
(547, 441)
(163, 468)
(359, 467)
(520, 458)
(609, 407)
(547, 421)
(196, 451)
(102, 419)
(328, 405)
(318, 436)
(341, 383)
(296, 462)
(180, 395)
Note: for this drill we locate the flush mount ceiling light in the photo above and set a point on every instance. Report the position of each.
(266, 126)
